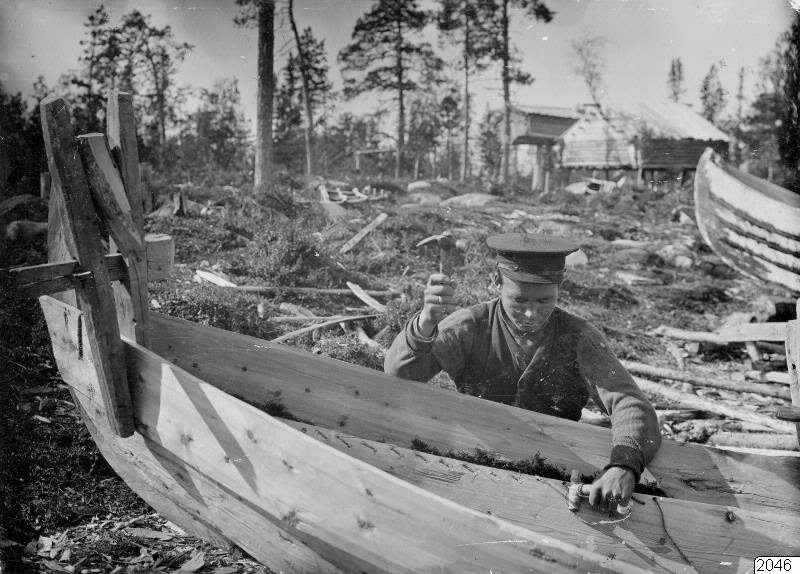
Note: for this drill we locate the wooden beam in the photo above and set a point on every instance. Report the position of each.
(793, 363)
(376, 406)
(51, 278)
(95, 296)
(352, 242)
(109, 195)
(354, 515)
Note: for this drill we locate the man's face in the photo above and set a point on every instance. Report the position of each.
(528, 305)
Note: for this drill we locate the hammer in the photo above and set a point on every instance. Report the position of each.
(446, 244)
(576, 491)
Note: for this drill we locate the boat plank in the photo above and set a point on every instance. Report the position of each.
(360, 517)
(176, 491)
(674, 534)
(376, 406)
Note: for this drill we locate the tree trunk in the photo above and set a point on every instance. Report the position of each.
(401, 115)
(309, 131)
(465, 158)
(506, 94)
(266, 88)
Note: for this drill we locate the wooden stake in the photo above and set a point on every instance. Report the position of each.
(363, 233)
(370, 301)
(82, 234)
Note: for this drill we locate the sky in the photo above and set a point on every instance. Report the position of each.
(41, 37)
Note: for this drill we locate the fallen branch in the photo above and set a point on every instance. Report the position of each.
(695, 402)
(742, 387)
(768, 377)
(305, 319)
(304, 330)
(361, 294)
(363, 233)
(771, 441)
(267, 289)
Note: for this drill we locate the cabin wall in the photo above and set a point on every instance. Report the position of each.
(677, 154)
(598, 153)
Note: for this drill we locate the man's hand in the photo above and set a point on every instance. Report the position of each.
(614, 487)
(439, 303)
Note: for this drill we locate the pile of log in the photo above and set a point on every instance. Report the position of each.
(749, 418)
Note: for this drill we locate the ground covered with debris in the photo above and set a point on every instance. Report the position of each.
(643, 265)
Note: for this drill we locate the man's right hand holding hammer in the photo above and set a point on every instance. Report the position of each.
(439, 302)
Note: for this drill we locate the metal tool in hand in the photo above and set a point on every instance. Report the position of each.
(577, 490)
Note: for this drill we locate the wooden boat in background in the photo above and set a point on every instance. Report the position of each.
(179, 410)
(752, 224)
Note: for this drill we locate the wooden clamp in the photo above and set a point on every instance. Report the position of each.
(81, 232)
(109, 193)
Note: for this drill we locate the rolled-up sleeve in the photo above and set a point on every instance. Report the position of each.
(635, 434)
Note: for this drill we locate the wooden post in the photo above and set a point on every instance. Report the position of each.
(44, 185)
(793, 362)
(82, 236)
(132, 299)
(108, 192)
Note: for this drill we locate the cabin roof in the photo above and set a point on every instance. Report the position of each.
(677, 121)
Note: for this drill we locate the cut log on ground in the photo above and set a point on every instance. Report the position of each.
(737, 333)
(771, 441)
(742, 387)
(363, 233)
(694, 401)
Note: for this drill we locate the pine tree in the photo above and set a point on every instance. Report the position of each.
(675, 80)
(713, 96)
(789, 129)
(496, 14)
(386, 55)
(261, 13)
(313, 73)
(461, 21)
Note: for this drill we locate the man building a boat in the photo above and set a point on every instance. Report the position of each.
(523, 350)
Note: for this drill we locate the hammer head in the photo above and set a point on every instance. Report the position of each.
(443, 240)
(446, 245)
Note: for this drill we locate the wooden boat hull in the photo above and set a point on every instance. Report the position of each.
(199, 447)
(228, 471)
(752, 224)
